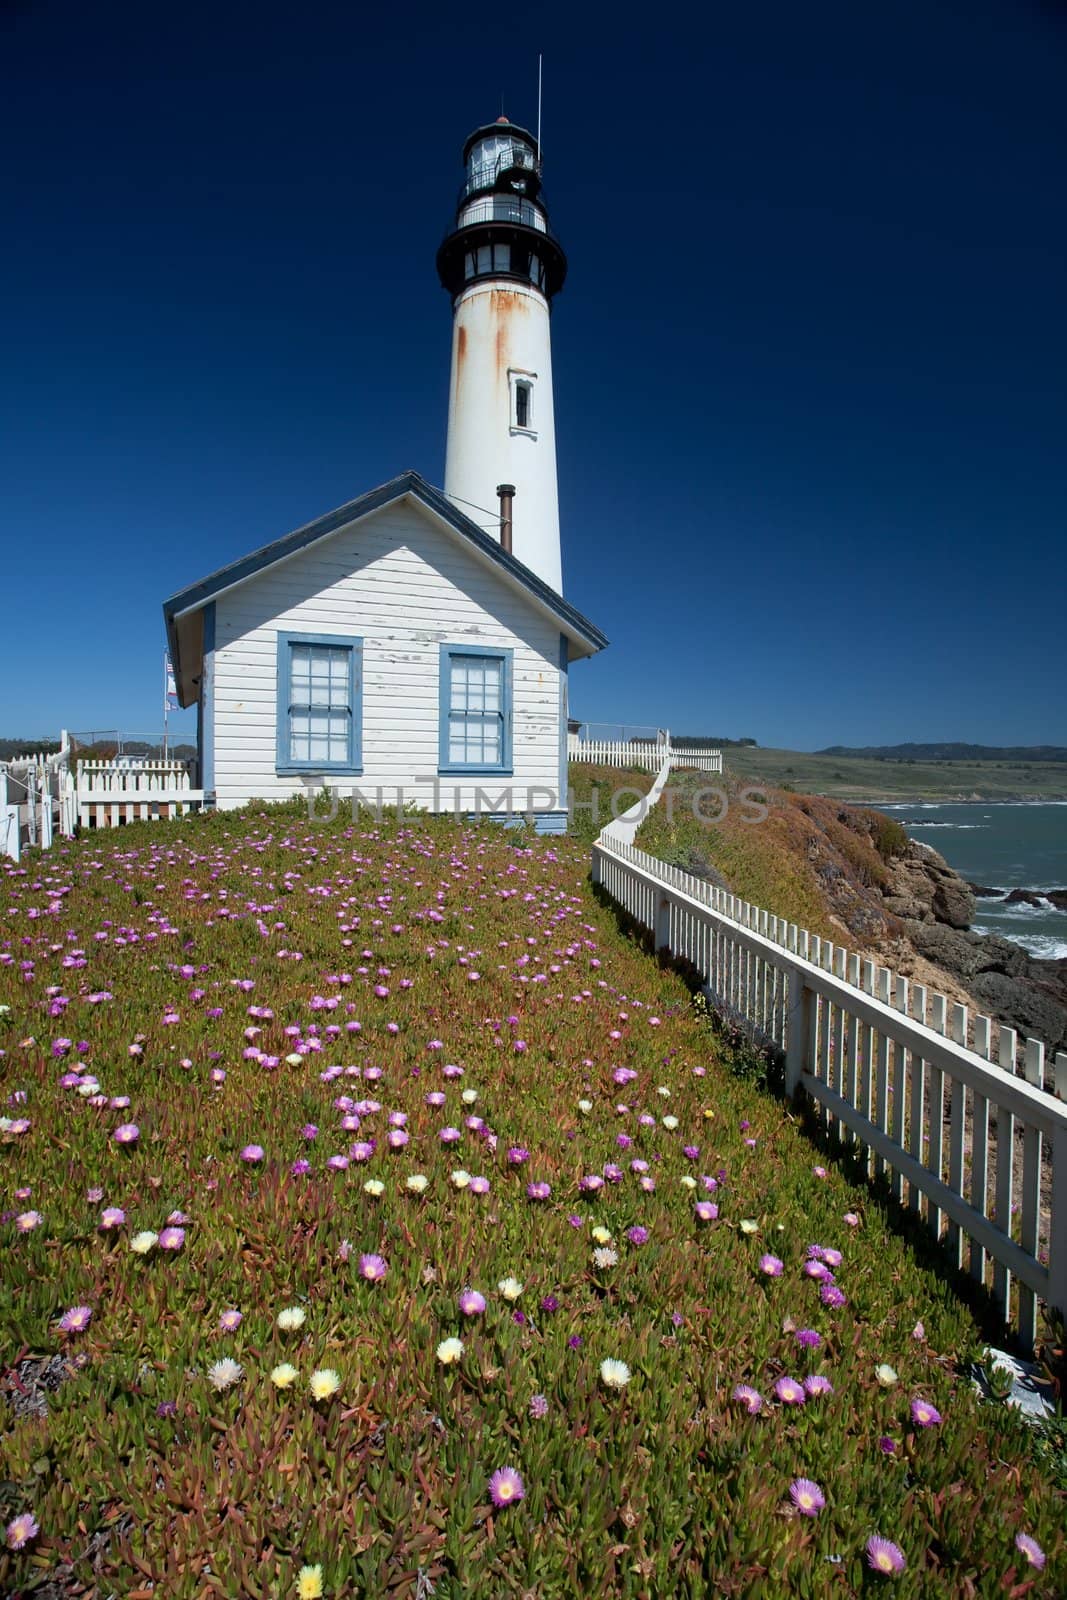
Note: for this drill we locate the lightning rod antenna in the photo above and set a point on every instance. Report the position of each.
(540, 59)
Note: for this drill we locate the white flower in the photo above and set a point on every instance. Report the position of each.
(510, 1288)
(283, 1375)
(885, 1374)
(291, 1318)
(449, 1351)
(373, 1186)
(585, 1106)
(417, 1183)
(748, 1226)
(469, 1096)
(142, 1242)
(605, 1258)
(664, 1091)
(324, 1383)
(687, 1182)
(461, 1178)
(294, 1060)
(224, 1373)
(670, 1123)
(615, 1374)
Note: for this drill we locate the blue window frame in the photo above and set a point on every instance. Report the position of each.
(320, 703)
(475, 709)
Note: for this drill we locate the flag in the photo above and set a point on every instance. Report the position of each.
(170, 693)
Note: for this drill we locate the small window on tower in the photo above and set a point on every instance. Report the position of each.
(485, 258)
(522, 405)
(502, 258)
(468, 266)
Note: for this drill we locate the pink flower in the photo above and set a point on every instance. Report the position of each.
(76, 1320)
(884, 1556)
(113, 1217)
(807, 1496)
(1030, 1549)
(770, 1266)
(373, 1268)
(505, 1487)
(924, 1414)
(471, 1303)
(172, 1239)
(252, 1153)
(230, 1321)
(790, 1392)
(127, 1133)
(748, 1397)
(21, 1529)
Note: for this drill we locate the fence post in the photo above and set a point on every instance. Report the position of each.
(662, 930)
(798, 1027)
(1057, 1246)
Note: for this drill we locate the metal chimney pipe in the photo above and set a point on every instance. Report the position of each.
(506, 491)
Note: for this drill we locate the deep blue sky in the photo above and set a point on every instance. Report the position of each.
(809, 360)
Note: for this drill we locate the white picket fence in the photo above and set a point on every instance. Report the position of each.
(33, 801)
(648, 756)
(922, 1094)
(111, 793)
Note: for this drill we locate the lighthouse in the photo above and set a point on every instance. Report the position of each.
(502, 264)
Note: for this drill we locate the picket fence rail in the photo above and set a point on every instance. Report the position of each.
(979, 1153)
(648, 756)
(110, 793)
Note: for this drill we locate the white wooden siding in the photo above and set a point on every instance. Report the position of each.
(404, 586)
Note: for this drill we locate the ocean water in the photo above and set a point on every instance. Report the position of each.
(1020, 845)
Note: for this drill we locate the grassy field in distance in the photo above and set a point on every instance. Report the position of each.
(850, 778)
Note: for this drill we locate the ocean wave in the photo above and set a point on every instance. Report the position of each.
(963, 827)
(1046, 946)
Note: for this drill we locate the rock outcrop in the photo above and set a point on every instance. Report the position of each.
(936, 907)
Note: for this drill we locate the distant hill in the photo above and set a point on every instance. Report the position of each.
(11, 748)
(949, 752)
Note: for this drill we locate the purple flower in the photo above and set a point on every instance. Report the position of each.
(832, 1296)
(770, 1266)
(300, 1167)
(637, 1234)
(113, 1217)
(167, 1408)
(1030, 1548)
(172, 1239)
(126, 1133)
(887, 1446)
(76, 1320)
(252, 1153)
(517, 1155)
(309, 1131)
(591, 1183)
(230, 1321)
(574, 1342)
(790, 1392)
(807, 1496)
(450, 1135)
(884, 1556)
(373, 1268)
(706, 1211)
(538, 1407)
(815, 1384)
(471, 1303)
(748, 1397)
(21, 1529)
(549, 1303)
(808, 1339)
(479, 1185)
(924, 1414)
(538, 1191)
(505, 1487)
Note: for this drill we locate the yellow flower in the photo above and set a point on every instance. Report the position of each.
(283, 1375)
(461, 1178)
(510, 1288)
(601, 1234)
(324, 1383)
(417, 1182)
(449, 1351)
(309, 1583)
(709, 1115)
(291, 1318)
(373, 1186)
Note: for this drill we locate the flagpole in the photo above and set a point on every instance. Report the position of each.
(166, 700)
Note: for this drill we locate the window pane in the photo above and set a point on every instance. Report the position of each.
(502, 257)
(485, 258)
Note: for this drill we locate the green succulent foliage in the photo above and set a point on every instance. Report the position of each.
(212, 972)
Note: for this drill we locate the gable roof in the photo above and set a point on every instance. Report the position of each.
(584, 637)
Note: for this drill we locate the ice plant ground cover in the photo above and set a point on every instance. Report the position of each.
(582, 1313)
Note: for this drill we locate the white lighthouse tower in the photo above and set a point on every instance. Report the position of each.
(502, 264)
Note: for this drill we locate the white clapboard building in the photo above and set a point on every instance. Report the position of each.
(393, 646)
